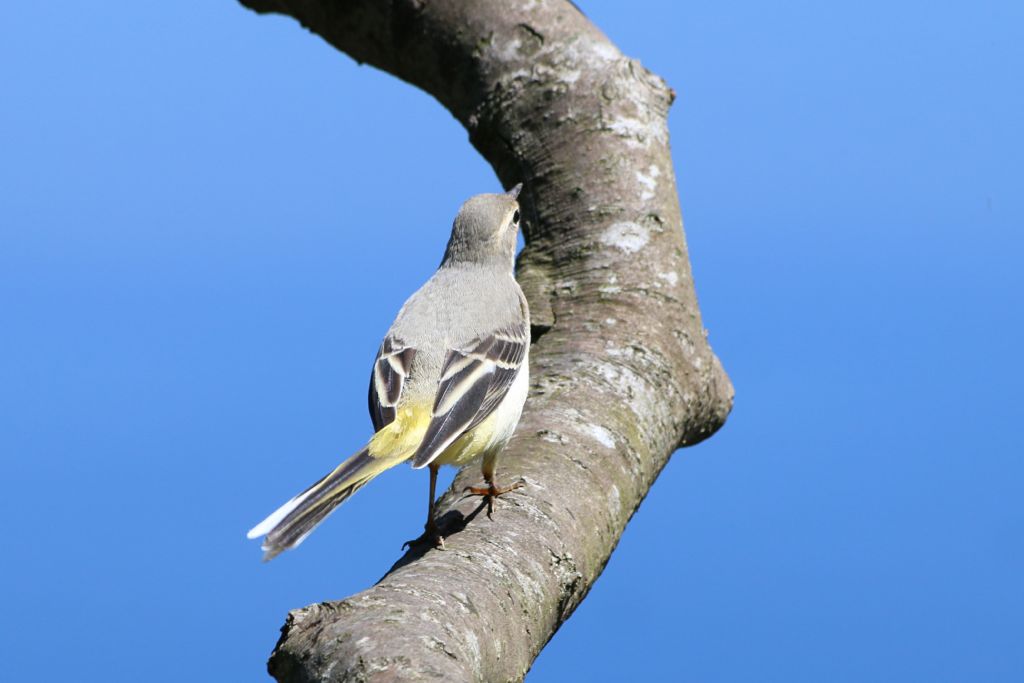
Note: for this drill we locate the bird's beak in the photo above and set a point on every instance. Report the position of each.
(514, 192)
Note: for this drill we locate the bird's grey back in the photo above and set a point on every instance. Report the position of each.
(458, 304)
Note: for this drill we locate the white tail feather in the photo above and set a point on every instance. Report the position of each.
(267, 525)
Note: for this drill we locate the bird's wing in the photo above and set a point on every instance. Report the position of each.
(474, 380)
(390, 370)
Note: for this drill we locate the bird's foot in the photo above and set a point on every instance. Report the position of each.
(431, 534)
(490, 492)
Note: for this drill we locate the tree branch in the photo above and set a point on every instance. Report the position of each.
(622, 372)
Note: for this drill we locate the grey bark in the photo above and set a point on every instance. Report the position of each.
(622, 372)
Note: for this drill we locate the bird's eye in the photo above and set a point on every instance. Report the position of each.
(515, 217)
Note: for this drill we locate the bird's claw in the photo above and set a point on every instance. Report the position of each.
(490, 492)
(431, 534)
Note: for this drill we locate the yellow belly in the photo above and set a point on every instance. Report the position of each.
(400, 438)
(470, 445)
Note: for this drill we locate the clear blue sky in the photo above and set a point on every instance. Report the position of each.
(188, 195)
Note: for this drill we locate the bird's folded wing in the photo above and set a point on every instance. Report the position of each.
(474, 381)
(390, 370)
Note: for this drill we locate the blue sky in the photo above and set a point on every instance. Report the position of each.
(187, 320)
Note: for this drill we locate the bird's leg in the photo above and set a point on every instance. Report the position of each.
(430, 528)
(491, 491)
(431, 533)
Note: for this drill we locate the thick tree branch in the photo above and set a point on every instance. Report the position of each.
(622, 372)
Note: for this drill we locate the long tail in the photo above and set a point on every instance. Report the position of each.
(289, 525)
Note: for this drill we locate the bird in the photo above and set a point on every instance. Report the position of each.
(449, 381)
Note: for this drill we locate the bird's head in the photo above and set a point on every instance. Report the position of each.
(485, 230)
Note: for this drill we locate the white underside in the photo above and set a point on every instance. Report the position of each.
(506, 415)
